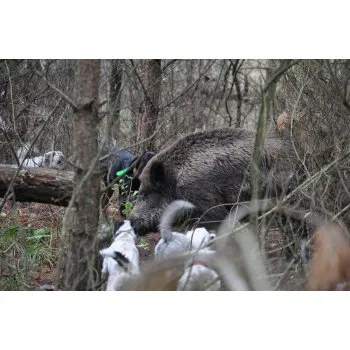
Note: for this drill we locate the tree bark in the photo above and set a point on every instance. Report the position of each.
(37, 185)
(79, 250)
(104, 100)
(116, 85)
(147, 122)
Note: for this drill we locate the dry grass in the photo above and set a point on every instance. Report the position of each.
(29, 242)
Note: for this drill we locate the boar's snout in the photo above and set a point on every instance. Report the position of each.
(138, 225)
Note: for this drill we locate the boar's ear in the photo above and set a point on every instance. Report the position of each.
(157, 173)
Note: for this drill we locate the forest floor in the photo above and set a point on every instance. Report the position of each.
(29, 246)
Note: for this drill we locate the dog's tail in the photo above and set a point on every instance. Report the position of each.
(168, 218)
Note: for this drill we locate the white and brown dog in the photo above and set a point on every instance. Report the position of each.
(121, 258)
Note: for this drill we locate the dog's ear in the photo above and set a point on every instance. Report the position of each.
(157, 173)
(122, 260)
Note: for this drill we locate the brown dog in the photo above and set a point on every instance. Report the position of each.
(330, 263)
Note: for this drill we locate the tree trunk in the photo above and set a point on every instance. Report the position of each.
(116, 85)
(79, 250)
(147, 122)
(37, 185)
(104, 99)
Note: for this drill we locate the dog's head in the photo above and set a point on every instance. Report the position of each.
(123, 227)
(53, 159)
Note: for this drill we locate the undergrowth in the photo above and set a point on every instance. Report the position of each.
(27, 254)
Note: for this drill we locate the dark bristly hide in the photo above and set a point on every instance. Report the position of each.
(210, 169)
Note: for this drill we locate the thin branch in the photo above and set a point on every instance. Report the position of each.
(149, 100)
(168, 64)
(10, 187)
(279, 71)
(29, 103)
(234, 67)
(60, 92)
(11, 146)
(318, 175)
(188, 88)
(285, 273)
(345, 100)
(239, 104)
(11, 98)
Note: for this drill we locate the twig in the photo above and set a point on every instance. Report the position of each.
(234, 68)
(11, 147)
(149, 100)
(60, 92)
(28, 151)
(137, 143)
(188, 88)
(291, 124)
(11, 98)
(317, 175)
(168, 64)
(341, 212)
(285, 273)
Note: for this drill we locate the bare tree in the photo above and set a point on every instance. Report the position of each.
(104, 99)
(151, 83)
(115, 97)
(82, 216)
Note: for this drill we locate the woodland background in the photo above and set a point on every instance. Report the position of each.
(80, 106)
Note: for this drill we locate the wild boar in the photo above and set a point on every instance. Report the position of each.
(210, 169)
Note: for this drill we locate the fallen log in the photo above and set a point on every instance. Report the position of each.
(41, 185)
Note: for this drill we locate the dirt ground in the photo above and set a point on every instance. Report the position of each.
(282, 274)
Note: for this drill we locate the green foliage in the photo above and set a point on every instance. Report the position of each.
(122, 187)
(12, 231)
(39, 234)
(128, 208)
(23, 251)
(143, 243)
(132, 196)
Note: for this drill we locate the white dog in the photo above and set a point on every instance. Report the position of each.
(199, 238)
(52, 159)
(121, 258)
(172, 243)
(198, 274)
